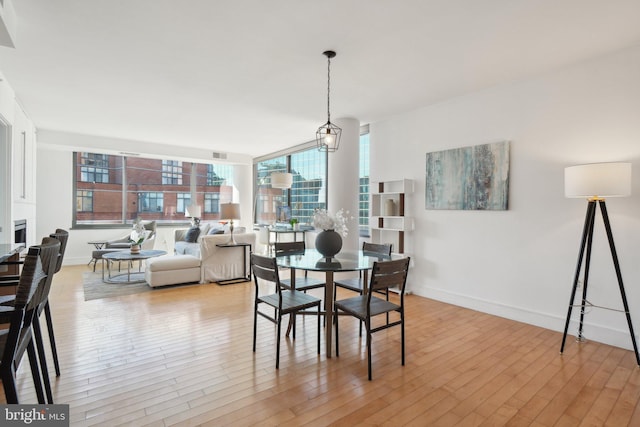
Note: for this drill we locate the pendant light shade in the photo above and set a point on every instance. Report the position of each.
(281, 180)
(328, 135)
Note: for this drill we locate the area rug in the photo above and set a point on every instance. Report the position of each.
(95, 288)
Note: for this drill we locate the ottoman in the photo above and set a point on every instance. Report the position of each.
(172, 270)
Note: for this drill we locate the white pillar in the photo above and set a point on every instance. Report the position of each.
(343, 180)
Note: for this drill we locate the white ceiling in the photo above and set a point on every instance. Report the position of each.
(248, 76)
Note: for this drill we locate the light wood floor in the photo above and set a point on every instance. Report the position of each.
(182, 356)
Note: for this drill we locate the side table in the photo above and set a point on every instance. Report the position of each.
(246, 247)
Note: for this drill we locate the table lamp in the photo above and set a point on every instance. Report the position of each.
(230, 211)
(596, 182)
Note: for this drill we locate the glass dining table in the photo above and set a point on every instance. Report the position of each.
(346, 260)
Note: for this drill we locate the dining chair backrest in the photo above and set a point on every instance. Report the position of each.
(389, 274)
(63, 237)
(377, 248)
(266, 269)
(289, 248)
(30, 277)
(49, 255)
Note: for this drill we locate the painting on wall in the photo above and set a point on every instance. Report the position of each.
(469, 178)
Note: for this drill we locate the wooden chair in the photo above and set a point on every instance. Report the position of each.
(17, 339)
(302, 283)
(385, 274)
(265, 274)
(355, 284)
(63, 237)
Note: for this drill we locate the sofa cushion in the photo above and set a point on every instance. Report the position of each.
(175, 262)
(186, 248)
(192, 235)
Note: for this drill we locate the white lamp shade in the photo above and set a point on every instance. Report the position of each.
(281, 180)
(598, 180)
(230, 211)
(193, 211)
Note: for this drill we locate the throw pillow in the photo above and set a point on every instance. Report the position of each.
(216, 231)
(192, 235)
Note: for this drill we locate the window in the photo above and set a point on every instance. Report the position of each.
(94, 167)
(307, 193)
(171, 172)
(212, 203)
(84, 201)
(115, 190)
(183, 200)
(309, 173)
(363, 204)
(270, 198)
(218, 175)
(150, 202)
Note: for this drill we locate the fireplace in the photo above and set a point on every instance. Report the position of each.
(20, 231)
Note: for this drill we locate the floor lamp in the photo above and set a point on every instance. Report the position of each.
(596, 182)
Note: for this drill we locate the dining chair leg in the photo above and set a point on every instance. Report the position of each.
(318, 328)
(255, 324)
(278, 342)
(35, 372)
(52, 340)
(9, 385)
(42, 357)
(335, 320)
(402, 334)
(368, 325)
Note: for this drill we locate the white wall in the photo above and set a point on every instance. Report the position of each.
(520, 263)
(55, 204)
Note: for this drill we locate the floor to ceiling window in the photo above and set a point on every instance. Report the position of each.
(363, 192)
(307, 193)
(115, 190)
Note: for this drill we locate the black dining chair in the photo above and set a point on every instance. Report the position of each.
(302, 283)
(21, 317)
(63, 237)
(283, 301)
(384, 275)
(356, 284)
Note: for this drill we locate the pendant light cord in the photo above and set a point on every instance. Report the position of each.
(328, 88)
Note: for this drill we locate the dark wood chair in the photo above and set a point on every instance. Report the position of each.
(302, 283)
(21, 316)
(355, 284)
(283, 301)
(49, 259)
(63, 237)
(385, 274)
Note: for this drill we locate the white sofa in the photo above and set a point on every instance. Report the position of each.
(217, 263)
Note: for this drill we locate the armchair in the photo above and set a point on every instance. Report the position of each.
(124, 243)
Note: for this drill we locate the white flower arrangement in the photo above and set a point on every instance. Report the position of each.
(324, 220)
(139, 233)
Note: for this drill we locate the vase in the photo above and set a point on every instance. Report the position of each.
(135, 249)
(328, 243)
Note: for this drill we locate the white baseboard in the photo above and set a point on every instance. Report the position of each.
(594, 332)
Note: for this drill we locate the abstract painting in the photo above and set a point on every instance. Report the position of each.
(469, 178)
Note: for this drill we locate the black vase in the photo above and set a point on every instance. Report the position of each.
(328, 243)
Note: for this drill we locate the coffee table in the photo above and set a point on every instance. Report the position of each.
(128, 277)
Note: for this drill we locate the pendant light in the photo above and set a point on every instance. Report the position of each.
(328, 135)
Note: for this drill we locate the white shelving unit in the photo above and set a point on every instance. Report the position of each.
(388, 222)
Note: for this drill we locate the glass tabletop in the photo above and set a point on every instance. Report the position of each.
(346, 260)
(126, 255)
